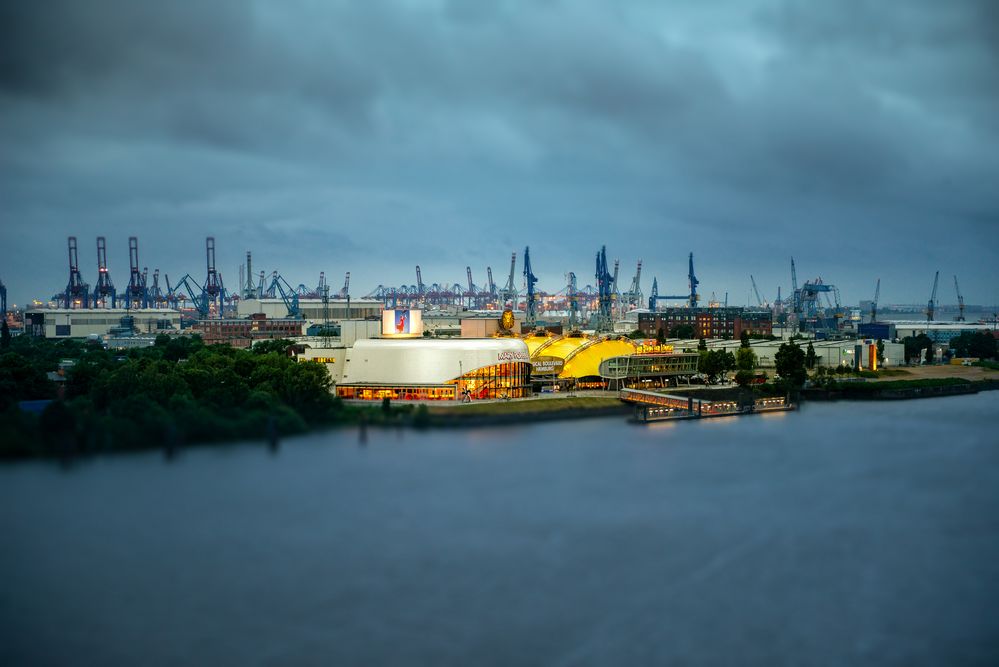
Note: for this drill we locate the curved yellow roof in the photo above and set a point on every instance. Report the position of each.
(562, 347)
(586, 360)
(536, 340)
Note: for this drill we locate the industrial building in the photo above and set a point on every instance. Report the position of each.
(941, 332)
(707, 322)
(312, 310)
(829, 353)
(86, 322)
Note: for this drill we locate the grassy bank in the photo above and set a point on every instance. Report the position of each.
(525, 407)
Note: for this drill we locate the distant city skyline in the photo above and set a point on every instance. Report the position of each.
(860, 138)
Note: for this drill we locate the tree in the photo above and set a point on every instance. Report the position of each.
(790, 362)
(744, 337)
(715, 362)
(881, 352)
(660, 336)
(684, 331)
(4, 335)
(745, 359)
(743, 378)
(702, 345)
(637, 334)
(914, 345)
(810, 357)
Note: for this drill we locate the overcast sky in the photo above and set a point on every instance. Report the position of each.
(860, 137)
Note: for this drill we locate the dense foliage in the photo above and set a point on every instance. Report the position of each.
(715, 362)
(916, 345)
(790, 363)
(176, 391)
(981, 344)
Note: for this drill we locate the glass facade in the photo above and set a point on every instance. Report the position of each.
(399, 393)
(506, 380)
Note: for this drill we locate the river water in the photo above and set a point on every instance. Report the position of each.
(846, 533)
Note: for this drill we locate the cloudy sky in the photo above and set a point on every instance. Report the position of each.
(860, 137)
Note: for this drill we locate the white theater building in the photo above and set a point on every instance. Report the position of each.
(402, 365)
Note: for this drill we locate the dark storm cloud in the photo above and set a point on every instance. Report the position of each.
(373, 136)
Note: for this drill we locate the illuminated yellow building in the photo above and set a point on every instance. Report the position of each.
(598, 362)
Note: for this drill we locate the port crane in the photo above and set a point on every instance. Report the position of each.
(156, 297)
(135, 294)
(633, 297)
(213, 290)
(249, 290)
(104, 291)
(614, 289)
(530, 280)
(760, 301)
(572, 297)
(691, 298)
(344, 292)
(490, 285)
(77, 292)
(874, 304)
(3, 301)
(289, 296)
(693, 281)
(603, 321)
(932, 303)
(509, 295)
(795, 293)
(960, 301)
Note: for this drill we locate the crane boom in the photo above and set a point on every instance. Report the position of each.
(694, 282)
(531, 280)
(931, 306)
(759, 299)
(960, 301)
(874, 304)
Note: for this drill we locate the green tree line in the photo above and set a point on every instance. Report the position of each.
(177, 391)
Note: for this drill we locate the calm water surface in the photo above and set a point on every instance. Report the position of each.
(849, 533)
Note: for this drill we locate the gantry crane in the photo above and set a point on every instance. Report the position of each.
(874, 304)
(932, 304)
(77, 292)
(760, 301)
(104, 291)
(530, 280)
(633, 297)
(604, 321)
(135, 294)
(508, 295)
(960, 301)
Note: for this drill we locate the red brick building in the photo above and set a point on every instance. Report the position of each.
(708, 322)
(244, 332)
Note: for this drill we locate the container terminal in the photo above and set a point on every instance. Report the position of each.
(451, 341)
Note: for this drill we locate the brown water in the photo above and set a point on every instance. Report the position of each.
(848, 533)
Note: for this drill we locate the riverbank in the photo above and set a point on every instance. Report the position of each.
(534, 409)
(898, 390)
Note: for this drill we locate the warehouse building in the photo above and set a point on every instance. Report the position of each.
(87, 322)
(312, 309)
(941, 332)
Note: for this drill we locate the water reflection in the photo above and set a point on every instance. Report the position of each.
(857, 532)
